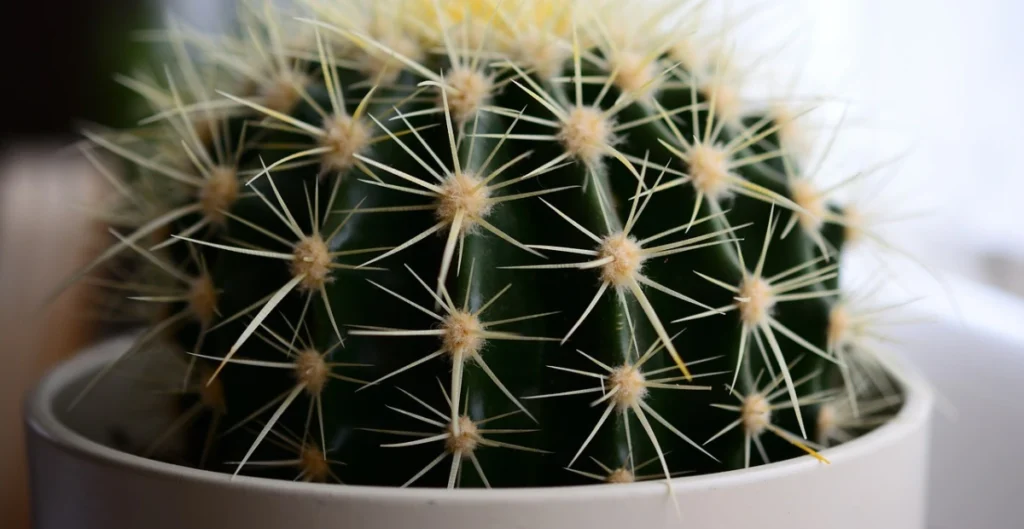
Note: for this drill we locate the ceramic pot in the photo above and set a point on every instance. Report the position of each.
(80, 482)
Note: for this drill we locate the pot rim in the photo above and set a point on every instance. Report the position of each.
(42, 422)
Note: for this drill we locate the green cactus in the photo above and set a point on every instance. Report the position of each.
(482, 243)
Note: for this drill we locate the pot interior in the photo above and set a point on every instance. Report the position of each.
(133, 403)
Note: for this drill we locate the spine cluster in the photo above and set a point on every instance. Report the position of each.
(485, 243)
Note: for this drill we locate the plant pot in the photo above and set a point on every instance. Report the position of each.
(877, 481)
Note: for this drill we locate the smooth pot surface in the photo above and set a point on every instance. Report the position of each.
(877, 481)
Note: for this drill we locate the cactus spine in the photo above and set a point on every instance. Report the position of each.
(481, 243)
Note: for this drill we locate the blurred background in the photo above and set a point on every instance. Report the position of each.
(937, 80)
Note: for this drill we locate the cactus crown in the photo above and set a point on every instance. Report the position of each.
(402, 233)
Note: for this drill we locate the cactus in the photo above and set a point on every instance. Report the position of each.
(481, 243)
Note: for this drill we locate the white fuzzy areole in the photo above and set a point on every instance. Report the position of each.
(467, 438)
(468, 91)
(687, 52)
(346, 137)
(727, 100)
(312, 260)
(311, 370)
(211, 393)
(827, 422)
(756, 414)
(219, 193)
(202, 299)
(462, 335)
(282, 92)
(853, 224)
(586, 134)
(709, 168)
(627, 259)
(758, 301)
(463, 193)
(793, 137)
(314, 464)
(620, 475)
(635, 74)
(630, 387)
(839, 324)
(808, 198)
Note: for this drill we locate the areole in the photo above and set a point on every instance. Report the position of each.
(876, 481)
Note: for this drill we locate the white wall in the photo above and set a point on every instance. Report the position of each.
(944, 77)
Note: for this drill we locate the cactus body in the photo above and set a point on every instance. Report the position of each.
(463, 244)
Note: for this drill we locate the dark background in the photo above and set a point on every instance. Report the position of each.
(57, 65)
(59, 58)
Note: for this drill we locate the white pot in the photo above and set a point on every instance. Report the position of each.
(877, 481)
